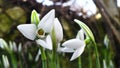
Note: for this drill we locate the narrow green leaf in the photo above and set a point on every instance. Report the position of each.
(86, 29)
(34, 17)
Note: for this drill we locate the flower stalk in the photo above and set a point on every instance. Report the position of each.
(54, 55)
(79, 62)
(90, 35)
(43, 55)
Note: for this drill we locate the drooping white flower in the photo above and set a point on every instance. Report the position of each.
(45, 25)
(58, 30)
(3, 44)
(19, 47)
(106, 41)
(11, 46)
(57, 34)
(5, 61)
(81, 7)
(31, 31)
(76, 45)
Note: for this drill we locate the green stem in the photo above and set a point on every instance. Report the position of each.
(44, 64)
(13, 59)
(54, 54)
(54, 58)
(97, 55)
(79, 62)
(58, 61)
(43, 57)
(90, 60)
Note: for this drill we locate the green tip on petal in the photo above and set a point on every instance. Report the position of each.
(86, 29)
(35, 17)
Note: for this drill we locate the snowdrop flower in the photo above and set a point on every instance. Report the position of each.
(81, 7)
(76, 45)
(3, 44)
(5, 61)
(45, 25)
(104, 63)
(58, 33)
(58, 30)
(13, 46)
(31, 31)
(19, 47)
(106, 41)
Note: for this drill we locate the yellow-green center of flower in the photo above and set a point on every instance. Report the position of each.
(40, 33)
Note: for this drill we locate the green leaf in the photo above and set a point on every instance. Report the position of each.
(34, 17)
(86, 29)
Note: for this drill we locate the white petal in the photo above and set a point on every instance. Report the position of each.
(47, 21)
(5, 61)
(58, 30)
(69, 50)
(19, 47)
(14, 46)
(77, 53)
(73, 43)
(28, 30)
(37, 56)
(49, 42)
(3, 43)
(80, 34)
(43, 44)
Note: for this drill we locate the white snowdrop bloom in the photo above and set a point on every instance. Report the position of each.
(31, 31)
(106, 41)
(84, 8)
(45, 25)
(5, 61)
(58, 30)
(76, 45)
(3, 44)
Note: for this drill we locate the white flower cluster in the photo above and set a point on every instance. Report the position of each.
(45, 26)
(42, 33)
